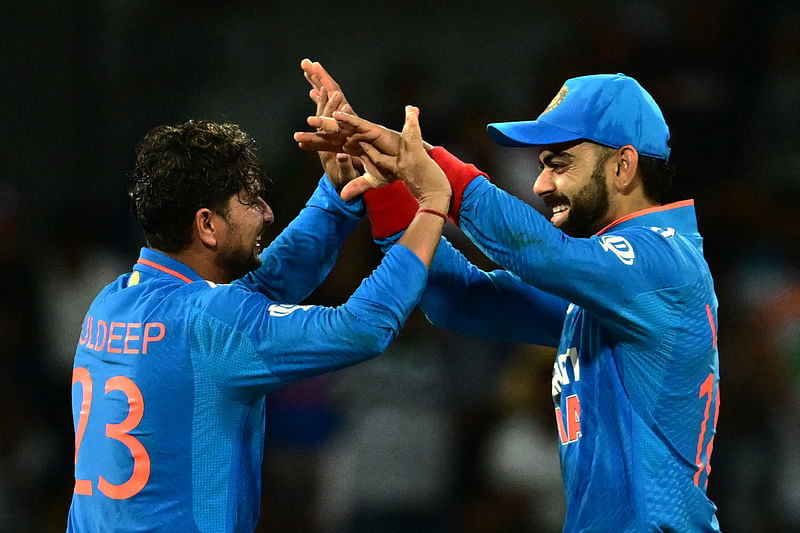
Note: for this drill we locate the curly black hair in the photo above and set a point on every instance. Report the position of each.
(182, 168)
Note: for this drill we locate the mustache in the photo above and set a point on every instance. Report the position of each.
(553, 200)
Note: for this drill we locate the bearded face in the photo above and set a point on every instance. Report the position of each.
(573, 184)
(588, 206)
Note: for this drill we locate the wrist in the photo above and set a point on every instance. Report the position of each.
(390, 209)
(458, 173)
(440, 214)
(438, 203)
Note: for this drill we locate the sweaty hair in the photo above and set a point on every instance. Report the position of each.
(657, 174)
(180, 169)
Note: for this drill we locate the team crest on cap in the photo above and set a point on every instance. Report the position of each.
(557, 99)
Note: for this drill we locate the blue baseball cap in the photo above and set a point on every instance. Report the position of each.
(609, 109)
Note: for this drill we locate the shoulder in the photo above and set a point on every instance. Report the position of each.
(222, 300)
(667, 256)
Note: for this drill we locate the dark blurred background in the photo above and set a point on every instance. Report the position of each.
(443, 433)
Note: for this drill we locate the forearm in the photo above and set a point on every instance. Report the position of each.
(423, 234)
(461, 297)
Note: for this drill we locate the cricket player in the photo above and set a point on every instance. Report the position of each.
(175, 357)
(615, 280)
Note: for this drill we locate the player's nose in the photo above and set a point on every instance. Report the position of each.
(266, 212)
(543, 183)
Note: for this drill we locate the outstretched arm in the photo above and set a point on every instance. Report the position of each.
(497, 304)
(304, 253)
(302, 256)
(371, 317)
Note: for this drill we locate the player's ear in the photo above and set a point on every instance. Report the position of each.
(205, 226)
(626, 162)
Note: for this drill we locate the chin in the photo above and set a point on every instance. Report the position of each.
(254, 264)
(238, 269)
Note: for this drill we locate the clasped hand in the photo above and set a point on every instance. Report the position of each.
(347, 144)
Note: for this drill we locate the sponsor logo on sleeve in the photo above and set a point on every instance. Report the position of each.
(619, 246)
(664, 232)
(280, 310)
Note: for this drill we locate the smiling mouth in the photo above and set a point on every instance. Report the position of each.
(560, 213)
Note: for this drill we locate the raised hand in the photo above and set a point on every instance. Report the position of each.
(326, 94)
(339, 167)
(319, 79)
(329, 138)
(411, 163)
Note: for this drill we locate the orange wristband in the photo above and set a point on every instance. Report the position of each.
(433, 212)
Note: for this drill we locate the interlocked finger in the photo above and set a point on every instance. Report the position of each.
(323, 124)
(383, 163)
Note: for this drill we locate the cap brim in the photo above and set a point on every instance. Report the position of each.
(528, 133)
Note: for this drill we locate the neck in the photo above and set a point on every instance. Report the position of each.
(625, 204)
(201, 261)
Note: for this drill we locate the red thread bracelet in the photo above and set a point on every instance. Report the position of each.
(432, 212)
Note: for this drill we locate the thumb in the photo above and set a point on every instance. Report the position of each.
(355, 188)
(371, 179)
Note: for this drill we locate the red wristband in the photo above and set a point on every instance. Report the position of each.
(390, 209)
(459, 174)
(433, 212)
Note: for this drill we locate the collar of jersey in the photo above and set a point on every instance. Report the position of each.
(678, 215)
(153, 262)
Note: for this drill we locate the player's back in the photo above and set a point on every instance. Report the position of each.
(134, 406)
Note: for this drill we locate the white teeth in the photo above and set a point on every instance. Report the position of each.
(560, 209)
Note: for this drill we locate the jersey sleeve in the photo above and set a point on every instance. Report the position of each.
(264, 344)
(300, 258)
(497, 304)
(602, 274)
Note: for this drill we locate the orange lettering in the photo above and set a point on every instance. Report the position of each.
(89, 327)
(562, 434)
(148, 338)
(121, 432)
(112, 337)
(85, 333)
(100, 343)
(81, 375)
(573, 418)
(129, 337)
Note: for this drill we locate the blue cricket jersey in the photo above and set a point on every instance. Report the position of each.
(171, 373)
(633, 313)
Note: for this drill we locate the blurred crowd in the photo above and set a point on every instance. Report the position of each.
(443, 433)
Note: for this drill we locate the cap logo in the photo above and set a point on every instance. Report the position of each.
(557, 99)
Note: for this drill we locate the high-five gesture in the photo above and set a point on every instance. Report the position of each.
(409, 162)
(327, 95)
(320, 80)
(425, 179)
